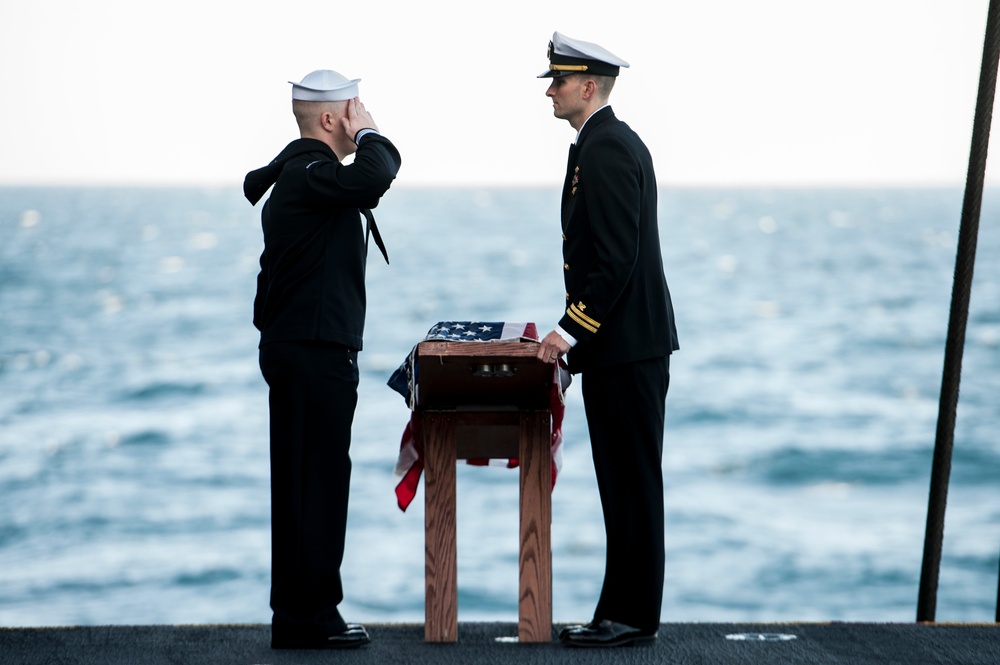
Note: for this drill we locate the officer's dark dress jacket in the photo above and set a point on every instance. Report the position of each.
(618, 304)
(311, 284)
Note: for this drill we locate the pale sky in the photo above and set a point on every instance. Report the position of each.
(724, 92)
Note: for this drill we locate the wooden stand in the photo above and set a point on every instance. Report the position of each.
(482, 400)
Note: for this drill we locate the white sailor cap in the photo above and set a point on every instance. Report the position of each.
(572, 56)
(325, 85)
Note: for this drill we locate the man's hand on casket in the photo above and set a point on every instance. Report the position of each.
(552, 347)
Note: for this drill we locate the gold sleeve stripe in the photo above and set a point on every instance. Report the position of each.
(579, 312)
(573, 315)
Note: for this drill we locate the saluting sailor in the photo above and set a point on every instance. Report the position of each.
(310, 310)
(617, 332)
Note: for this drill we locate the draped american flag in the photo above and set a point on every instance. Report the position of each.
(410, 464)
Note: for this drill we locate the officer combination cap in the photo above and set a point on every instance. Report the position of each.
(325, 85)
(573, 56)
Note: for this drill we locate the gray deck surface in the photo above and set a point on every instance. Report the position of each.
(485, 643)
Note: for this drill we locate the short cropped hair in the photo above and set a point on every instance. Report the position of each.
(305, 112)
(604, 84)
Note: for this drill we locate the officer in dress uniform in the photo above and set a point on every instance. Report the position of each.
(617, 332)
(310, 310)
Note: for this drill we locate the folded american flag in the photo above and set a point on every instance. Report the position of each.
(410, 464)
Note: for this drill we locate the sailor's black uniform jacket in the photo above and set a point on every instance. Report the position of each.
(311, 284)
(617, 302)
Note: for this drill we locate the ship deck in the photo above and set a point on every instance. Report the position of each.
(495, 643)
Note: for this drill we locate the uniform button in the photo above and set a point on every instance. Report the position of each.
(567, 296)
(573, 192)
(576, 170)
(565, 266)
(564, 236)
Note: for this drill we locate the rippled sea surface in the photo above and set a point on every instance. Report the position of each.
(800, 421)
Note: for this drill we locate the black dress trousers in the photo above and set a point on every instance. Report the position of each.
(313, 395)
(625, 407)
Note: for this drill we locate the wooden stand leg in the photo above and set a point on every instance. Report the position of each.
(440, 562)
(535, 599)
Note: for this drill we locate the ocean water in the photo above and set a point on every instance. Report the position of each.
(800, 420)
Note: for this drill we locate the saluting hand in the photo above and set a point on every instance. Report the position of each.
(357, 118)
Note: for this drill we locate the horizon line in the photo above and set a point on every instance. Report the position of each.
(235, 184)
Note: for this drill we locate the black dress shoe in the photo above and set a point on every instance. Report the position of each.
(570, 629)
(605, 634)
(352, 637)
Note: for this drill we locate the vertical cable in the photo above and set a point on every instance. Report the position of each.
(955, 344)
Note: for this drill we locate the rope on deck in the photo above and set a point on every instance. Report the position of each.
(955, 344)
